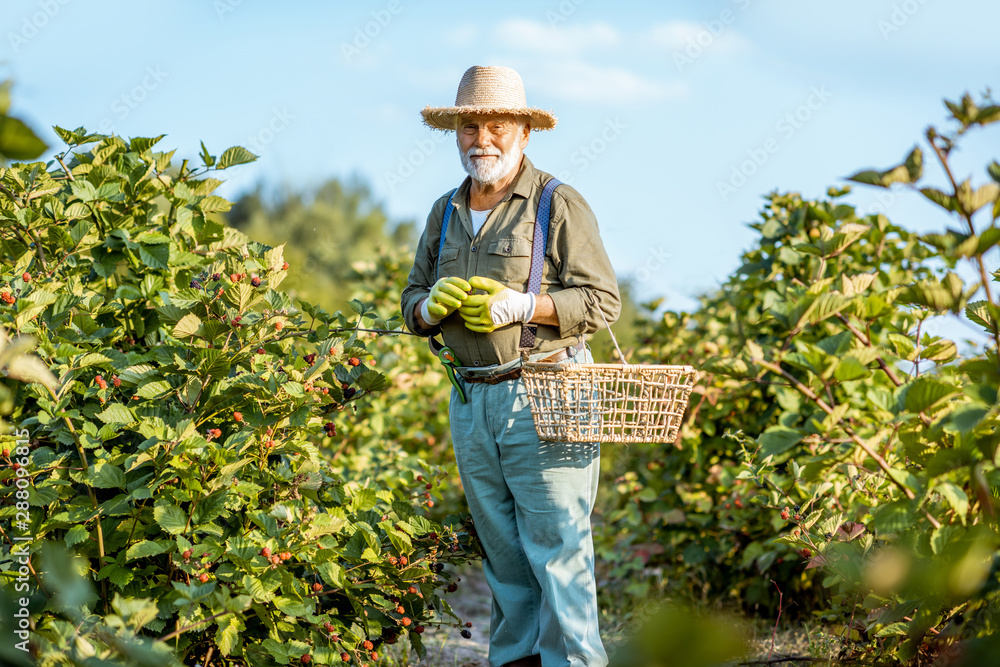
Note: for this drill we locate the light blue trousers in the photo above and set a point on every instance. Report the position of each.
(531, 503)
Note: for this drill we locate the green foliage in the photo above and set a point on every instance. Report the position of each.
(874, 470)
(183, 454)
(326, 232)
(17, 140)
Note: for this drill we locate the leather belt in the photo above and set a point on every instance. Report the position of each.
(515, 373)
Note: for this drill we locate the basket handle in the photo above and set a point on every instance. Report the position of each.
(614, 340)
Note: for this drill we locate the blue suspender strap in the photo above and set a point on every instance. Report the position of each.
(538, 243)
(444, 230)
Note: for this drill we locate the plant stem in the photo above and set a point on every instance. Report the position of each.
(811, 395)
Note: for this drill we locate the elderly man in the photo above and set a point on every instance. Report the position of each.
(508, 269)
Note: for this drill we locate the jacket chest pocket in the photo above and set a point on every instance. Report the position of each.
(448, 263)
(509, 260)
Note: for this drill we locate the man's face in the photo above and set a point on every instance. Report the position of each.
(491, 146)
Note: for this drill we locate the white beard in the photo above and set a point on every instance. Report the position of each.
(489, 172)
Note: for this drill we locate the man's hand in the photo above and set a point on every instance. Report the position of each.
(446, 296)
(500, 306)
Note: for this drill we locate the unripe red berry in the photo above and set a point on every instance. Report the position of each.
(235, 277)
(403, 560)
(187, 554)
(345, 656)
(16, 466)
(368, 645)
(203, 577)
(354, 361)
(26, 277)
(6, 453)
(317, 587)
(468, 624)
(405, 621)
(255, 282)
(265, 552)
(306, 658)
(275, 559)
(419, 629)
(374, 655)
(116, 381)
(284, 266)
(238, 416)
(279, 325)
(400, 610)
(784, 515)
(412, 590)
(269, 444)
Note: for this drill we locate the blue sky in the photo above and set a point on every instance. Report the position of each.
(661, 104)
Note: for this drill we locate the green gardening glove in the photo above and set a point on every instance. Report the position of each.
(446, 296)
(500, 306)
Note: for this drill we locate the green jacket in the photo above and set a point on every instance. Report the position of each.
(576, 267)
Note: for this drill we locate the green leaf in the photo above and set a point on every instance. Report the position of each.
(779, 439)
(188, 326)
(136, 612)
(18, 141)
(234, 156)
(116, 413)
(956, 498)
(228, 635)
(290, 606)
(371, 381)
(155, 256)
(925, 393)
(144, 549)
(171, 518)
(103, 475)
(75, 535)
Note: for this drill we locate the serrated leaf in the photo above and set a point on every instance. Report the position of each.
(234, 156)
(116, 413)
(75, 535)
(144, 549)
(779, 439)
(104, 475)
(925, 393)
(188, 326)
(170, 518)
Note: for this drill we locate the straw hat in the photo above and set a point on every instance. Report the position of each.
(488, 90)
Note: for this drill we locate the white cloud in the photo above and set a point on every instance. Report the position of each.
(678, 36)
(525, 35)
(583, 82)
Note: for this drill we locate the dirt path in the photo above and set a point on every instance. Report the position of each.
(472, 600)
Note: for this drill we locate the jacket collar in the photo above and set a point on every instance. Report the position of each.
(524, 183)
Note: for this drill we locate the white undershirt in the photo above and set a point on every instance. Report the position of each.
(478, 219)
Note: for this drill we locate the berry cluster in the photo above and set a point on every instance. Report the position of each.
(330, 428)
(213, 433)
(100, 382)
(7, 298)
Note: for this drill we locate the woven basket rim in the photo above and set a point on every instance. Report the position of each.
(544, 366)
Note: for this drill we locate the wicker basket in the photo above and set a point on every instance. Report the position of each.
(608, 402)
